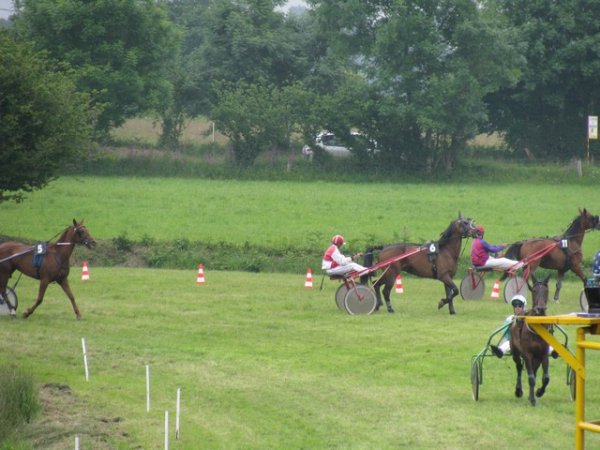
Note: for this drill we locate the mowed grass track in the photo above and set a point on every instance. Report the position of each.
(263, 362)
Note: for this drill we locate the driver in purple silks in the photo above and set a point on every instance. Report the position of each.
(480, 254)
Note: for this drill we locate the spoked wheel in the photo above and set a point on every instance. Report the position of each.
(340, 296)
(360, 299)
(583, 302)
(514, 286)
(475, 378)
(12, 298)
(572, 382)
(472, 287)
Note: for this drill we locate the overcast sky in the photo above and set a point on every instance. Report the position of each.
(4, 6)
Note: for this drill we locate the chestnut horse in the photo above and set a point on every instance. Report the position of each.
(528, 347)
(437, 260)
(52, 264)
(560, 259)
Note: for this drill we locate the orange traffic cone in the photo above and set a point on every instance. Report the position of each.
(496, 290)
(309, 281)
(85, 274)
(200, 277)
(399, 287)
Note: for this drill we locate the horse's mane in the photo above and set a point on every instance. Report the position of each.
(573, 228)
(446, 235)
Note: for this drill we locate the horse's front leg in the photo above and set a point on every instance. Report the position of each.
(39, 300)
(451, 291)
(64, 283)
(519, 364)
(531, 372)
(545, 378)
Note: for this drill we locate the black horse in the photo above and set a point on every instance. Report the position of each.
(527, 347)
(437, 260)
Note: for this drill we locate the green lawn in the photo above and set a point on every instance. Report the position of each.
(263, 362)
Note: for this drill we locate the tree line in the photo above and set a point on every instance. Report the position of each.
(419, 77)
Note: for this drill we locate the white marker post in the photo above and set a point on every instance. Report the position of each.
(166, 430)
(147, 388)
(177, 413)
(77, 442)
(85, 362)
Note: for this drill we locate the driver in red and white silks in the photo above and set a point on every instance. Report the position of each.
(334, 263)
(480, 254)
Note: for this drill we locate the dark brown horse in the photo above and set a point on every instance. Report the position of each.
(53, 263)
(566, 255)
(528, 347)
(437, 260)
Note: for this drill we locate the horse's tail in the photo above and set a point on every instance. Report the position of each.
(512, 253)
(368, 259)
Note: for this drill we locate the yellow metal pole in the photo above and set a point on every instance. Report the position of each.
(580, 391)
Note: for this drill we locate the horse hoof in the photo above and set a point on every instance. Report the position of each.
(391, 310)
(518, 393)
(452, 312)
(441, 304)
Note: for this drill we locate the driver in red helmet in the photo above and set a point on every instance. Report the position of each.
(480, 254)
(334, 263)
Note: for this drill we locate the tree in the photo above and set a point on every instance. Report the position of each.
(118, 48)
(545, 113)
(44, 122)
(427, 67)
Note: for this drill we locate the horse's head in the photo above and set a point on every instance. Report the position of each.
(588, 220)
(81, 235)
(466, 226)
(539, 292)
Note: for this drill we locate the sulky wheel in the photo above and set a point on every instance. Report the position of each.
(12, 298)
(472, 287)
(475, 379)
(514, 286)
(360, 299)
(340, 296)
(572, 382)
(583, 301)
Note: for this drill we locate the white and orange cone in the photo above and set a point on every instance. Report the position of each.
(309, 279)
(200, 277)
(85, 273)
(399, 286)
(496, 290)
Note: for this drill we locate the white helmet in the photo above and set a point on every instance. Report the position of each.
(519, 299)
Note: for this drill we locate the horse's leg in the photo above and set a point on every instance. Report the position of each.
(531, 371)
(39, 300)
(545, 377)
(519, 364)
(376, 288)
(451, 292)
(559, 277)
(3, 284)
(387, 289)
(64, 284)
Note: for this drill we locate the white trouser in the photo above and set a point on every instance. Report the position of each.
(505, 346)
(502, 263)
(345, 269)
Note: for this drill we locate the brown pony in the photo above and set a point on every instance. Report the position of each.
(528, 347)
(437, 260)
(560, 259)
(54, 265)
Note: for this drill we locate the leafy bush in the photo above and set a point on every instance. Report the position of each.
(18, 400)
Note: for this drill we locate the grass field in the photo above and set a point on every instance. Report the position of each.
(263, 362)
